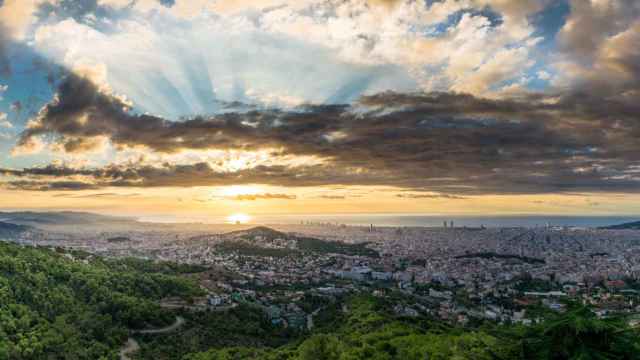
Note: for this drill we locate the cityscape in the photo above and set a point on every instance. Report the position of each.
(457, 274)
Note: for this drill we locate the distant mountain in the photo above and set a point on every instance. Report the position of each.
(59, 218)
(10, 231)
(630, 226)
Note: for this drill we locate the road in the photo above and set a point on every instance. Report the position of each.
(132, 345)
(129, 348)
(178, 323)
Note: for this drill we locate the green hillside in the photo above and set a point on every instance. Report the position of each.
(369, 330)
(68, 306)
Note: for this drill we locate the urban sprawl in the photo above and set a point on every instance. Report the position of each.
(457, 274)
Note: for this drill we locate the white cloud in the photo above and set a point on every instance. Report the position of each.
(181, 60)
(169, 68)
(17, 16)
(4, 122)
(543, 75)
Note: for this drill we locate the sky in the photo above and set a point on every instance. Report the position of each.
(213, 107)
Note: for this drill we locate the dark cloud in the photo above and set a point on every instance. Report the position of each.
(50, 185)
(167, 3)
(94, 13)
(16, 106)
(592, 23)
(512, 181)
(5, 63)
(580, 139)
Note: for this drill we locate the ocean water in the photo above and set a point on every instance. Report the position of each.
(411, 220)
(459, 221)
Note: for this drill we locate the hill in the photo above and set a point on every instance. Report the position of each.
(10, 231)
(625, 226)
(60, 305)
(364, 327)
(265, 241)
(258, 231)
(59, 218)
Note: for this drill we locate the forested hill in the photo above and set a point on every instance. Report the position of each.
(10, 231)
(365, 328)
(58, 305)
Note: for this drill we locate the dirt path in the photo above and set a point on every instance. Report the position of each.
(179, 322)
(132, 345)
(129, 348)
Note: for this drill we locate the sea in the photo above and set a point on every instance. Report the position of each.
(413, 220)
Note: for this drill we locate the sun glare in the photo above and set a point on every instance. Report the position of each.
(238, 219)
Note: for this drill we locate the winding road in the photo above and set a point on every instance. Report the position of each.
(132, 345)
(178, 323)
(129, 348)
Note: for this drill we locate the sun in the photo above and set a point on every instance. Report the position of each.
(238, 219)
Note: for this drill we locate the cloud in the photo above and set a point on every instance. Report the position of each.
(598, 47)
(16, 106)
(4, 122)
(442, 141)
(97, 195)
(236, 61)
(265, 196)
(483, 133)
(167, 3)
(430, 196)
(591, 23)
(332, 197)
(5, 64)
(49, 186)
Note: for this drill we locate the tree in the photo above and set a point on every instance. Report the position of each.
(320, 347)
(580, 335)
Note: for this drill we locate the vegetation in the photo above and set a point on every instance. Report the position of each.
(529, 284)
(146, 266)
(245, 326)
(10, 231)
(243, 243)
(60, 305)
(244, 248)
(335, 247)
(53, 306)
(370, 331)
(579, 334)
